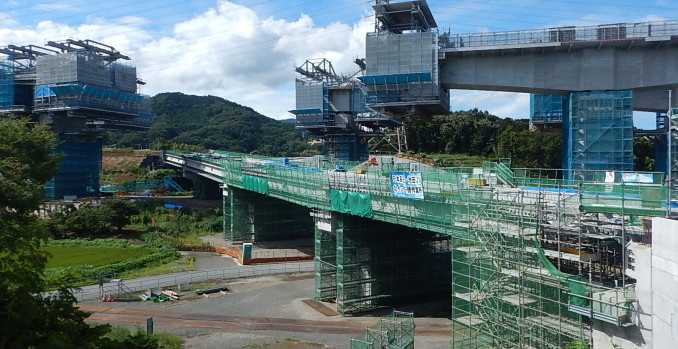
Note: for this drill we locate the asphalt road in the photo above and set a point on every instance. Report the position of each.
(258, 312)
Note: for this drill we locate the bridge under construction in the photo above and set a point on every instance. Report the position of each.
(528, 259)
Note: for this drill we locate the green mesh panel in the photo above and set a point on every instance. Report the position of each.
(255, 184)
(359, 204)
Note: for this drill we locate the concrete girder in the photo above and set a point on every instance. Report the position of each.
(642, 66)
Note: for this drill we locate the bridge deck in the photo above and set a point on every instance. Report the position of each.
(449, 205)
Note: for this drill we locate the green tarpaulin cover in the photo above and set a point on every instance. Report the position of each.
(255, 184)
(573, 281)
(359, 204)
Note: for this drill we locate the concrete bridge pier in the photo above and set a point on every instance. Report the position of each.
(253, 217)
(203, 188)
(364, 264)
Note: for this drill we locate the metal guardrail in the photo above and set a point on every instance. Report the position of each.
(562, 34)
(94, 292)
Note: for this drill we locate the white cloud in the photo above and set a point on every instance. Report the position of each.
(132, 21)
(230, 51)
(227, 51)
(7, 22)
(502, 104)
(54, 7)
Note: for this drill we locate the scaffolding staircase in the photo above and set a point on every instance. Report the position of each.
(114, 289)
(395, 331)
(503, 170)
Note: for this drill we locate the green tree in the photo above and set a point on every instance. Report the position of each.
(531, 149)
(88, 221)
(118, 212)
(27, 317)
(471, 132)
(643, 154)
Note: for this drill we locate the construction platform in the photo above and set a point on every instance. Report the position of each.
(527, 257)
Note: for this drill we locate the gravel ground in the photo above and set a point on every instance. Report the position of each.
(267, 340)
(209, 260)
(275, 296)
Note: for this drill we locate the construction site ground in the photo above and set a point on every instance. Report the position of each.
(268, 249)
(123, 159)
(274, 312)
(264, 312)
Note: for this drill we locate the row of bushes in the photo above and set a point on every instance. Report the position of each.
(113, 243)
(160, 256)
(162, 253)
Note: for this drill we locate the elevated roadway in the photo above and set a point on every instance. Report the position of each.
(633, 56)
(445, 190)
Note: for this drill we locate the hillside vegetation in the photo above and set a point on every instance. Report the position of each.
(480, 135)
(186, 122)
(191, 122)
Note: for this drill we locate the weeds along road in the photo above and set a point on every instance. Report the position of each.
(94, 292)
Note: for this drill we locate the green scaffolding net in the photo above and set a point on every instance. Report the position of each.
(358, 204)
(505, 292)
(577, 289)
(255, 184)
(395, 331)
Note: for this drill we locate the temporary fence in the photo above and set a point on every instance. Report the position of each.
(142, 284)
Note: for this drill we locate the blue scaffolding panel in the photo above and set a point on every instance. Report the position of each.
(6, 83)
(548, 109)
(78, 172)
(78, 95)
(599, 131)
(15, 96)
(395, 78)
(346, 146)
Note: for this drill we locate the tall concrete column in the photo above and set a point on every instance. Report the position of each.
(253, 217)
(381, 264)
(325, 259)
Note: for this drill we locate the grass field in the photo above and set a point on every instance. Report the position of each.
(64, 256)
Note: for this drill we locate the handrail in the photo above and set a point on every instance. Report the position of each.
(608, 32)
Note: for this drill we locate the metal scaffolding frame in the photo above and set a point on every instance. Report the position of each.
(599, 131)
(548, 109)
(333, 107)
(530, 258)
(79, 169)
(79, 88)
(395, 331)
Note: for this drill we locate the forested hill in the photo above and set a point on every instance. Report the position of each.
(187, 122)
(212, 123)
(479, 133)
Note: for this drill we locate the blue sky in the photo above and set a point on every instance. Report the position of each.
(245, 50)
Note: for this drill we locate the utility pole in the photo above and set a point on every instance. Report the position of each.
(669, 155)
